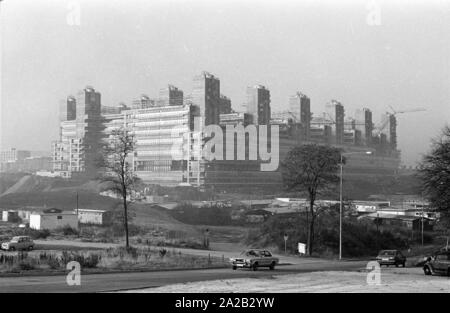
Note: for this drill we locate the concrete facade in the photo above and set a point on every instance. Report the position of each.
(258, 104)
(300, 107)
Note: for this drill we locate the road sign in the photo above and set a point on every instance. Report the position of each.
(301, 248)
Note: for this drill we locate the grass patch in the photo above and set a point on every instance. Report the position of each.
(113, 259)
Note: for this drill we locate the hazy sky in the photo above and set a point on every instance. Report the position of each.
(327, 50)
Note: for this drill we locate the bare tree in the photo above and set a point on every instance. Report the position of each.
(118, 170)
(434, 172)
(311, 169)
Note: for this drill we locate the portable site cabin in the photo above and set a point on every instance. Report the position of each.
(53, 218)
(96, 217)
(10, 216)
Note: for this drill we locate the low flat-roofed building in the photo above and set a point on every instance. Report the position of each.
(96, 217)
(408, 210)
(369, 206)
(52, 219)
(395, 220)
(10, 216)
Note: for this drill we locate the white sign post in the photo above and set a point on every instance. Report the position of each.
(285, 241)
(301, 248)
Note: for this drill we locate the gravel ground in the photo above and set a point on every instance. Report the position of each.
(392, 280)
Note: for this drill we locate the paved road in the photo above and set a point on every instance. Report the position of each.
(124, 281)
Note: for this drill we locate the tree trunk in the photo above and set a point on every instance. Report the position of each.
(125, 208)
(311, 236)
(311, 228)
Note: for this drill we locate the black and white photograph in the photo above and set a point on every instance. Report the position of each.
(223, 153)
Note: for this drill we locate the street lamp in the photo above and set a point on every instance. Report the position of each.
(340, 197)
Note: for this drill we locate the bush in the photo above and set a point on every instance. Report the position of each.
(53, 263)
(89, 261)
(162, 253)
(68, 231)
(33, 233)
(359, 238)
(25, 265)
(181, 243)
(211, 215)
(118, 230)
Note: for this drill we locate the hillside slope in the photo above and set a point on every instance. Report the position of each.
(144, 214)
(9, 179)
(66, 200)
(24, 183)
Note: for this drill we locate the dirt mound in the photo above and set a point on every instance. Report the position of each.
(25, 184)
(32, 183)
(66, 200)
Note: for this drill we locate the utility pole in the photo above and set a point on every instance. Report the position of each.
(378, 231)
(422, 225)
(340, 211)
(340, 198)
(77, 204)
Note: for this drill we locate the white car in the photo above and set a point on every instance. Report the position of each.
(19, 243)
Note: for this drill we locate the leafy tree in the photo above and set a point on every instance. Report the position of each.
(311, 169)
(434, 172)
(118, 170)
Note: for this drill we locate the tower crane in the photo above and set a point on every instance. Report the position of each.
(330, 120)
(378, 130)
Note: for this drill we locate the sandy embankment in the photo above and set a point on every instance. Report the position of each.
(392, 280)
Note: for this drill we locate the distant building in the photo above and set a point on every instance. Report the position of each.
(258, 104)
(335, 111)
(80, 134)
(370, 206)
(256, 216)
(52, 219)
(68, 109)
(390, 129)
(13, 155)
(225, 105)
(22, 161)
(143, 102)
(364, 124)
(394, 220)
(352, 137)
(300, 107)
(164, 126)
(157, 130)
(171, 95)
(53, 174)
(320, 133)
(235, 119)
(10, 216)
(95, 217)
(206, 97)
(114, 109)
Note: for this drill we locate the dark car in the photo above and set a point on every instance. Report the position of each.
(255, 258)
(438, 264)
(391, 257)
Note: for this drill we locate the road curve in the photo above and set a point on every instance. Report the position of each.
(127, 281)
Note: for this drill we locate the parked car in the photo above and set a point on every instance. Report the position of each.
(19, 243)
(438, 264)
(253, 259)
(391, 257)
